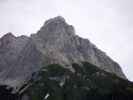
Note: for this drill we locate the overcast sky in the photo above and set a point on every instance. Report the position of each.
(107, 23)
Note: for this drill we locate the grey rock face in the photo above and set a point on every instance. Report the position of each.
(18, 59)
(55, 42)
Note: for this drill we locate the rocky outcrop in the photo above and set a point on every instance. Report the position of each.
(55, 42)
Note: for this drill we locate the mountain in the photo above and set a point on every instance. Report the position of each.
(55, 43)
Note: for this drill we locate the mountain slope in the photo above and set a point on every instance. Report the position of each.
(88, 82)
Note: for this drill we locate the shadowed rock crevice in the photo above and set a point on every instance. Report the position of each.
(6, 93)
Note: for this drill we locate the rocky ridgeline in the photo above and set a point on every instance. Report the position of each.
(56, 42)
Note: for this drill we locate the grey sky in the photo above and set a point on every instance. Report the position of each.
(107, 23)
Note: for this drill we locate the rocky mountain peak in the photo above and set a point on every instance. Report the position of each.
(8, 36)
(58, 19)
(58, 43)
(6, 39)
(56, 28)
